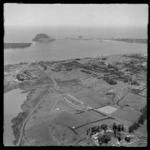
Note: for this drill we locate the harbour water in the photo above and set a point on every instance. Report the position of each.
(64, 48)
(12, 107)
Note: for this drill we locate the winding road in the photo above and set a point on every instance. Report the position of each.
(24, 123)
(37, 105)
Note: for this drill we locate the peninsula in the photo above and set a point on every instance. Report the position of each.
(16, 45)
(141, 41)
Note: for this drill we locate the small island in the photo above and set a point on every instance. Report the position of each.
(16, 45)
(43, 38)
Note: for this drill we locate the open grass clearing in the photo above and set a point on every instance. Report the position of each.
(40, 133)
(91, 97)
(133, 100)
(91, 116)
(128, 115)
(63, 106)
(44, 110)
(67, 119)
(57, 75)
(76, 73)
(63, 135)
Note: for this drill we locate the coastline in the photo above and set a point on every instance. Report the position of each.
(32, 86)
(138, 41)
(16, 45)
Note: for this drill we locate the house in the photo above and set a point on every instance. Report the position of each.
(95, 136)
(109, 130)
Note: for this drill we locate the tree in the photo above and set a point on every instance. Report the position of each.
(114, 126)
(119, 128)
(122, 127)
(127, 138)
(104, 139)
(104, 58)
(133, 127)
(119, 136)
(136, 125)
(141, 120)
(104, 127)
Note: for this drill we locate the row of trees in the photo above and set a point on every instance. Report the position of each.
(119, 127)
(140, 120)
(114, 127)
(96, 129)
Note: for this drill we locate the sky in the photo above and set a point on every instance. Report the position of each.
(84, 15)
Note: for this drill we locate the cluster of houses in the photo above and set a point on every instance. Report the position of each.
(113, 141)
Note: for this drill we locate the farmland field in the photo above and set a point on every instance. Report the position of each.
(128, 115)
(63, 103)
(40, 135)
(135, 101)
(91, 98)
(91, 116)
(67, 119)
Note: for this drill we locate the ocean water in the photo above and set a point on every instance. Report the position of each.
(64, 49)
(12, 107)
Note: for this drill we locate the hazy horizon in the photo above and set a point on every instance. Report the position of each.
(26, 34)
(76, 15)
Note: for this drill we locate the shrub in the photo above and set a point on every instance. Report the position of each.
(104, 127)
(103, 58)
(104, 139)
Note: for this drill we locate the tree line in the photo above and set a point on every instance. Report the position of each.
(140, 120)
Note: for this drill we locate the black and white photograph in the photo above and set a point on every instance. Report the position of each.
(75, 75)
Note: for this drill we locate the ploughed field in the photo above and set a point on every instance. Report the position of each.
(64, 102)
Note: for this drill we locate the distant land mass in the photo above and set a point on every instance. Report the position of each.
(141, 41)
(42, 38)
(16, 45)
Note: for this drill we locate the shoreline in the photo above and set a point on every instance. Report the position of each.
(128, 40)
(32, 86)
(58, 60)
(16, 45)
